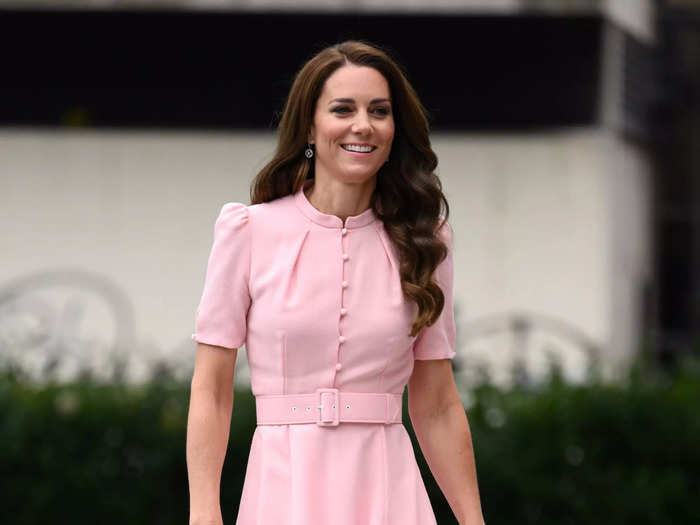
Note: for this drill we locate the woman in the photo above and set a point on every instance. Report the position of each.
(338, 279)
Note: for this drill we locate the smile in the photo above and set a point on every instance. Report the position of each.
(357, 148)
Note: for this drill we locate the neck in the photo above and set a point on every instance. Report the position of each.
(340, 199)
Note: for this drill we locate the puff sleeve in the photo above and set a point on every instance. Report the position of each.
(223, 309)
(437, 341)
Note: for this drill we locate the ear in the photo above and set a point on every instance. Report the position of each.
(312, 133)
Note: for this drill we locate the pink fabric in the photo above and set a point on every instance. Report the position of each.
(317, 307)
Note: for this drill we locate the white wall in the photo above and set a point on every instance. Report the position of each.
(553, 224)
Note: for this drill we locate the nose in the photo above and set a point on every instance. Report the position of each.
(361, 124)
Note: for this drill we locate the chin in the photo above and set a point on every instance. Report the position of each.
(359, 172)
(358, 177)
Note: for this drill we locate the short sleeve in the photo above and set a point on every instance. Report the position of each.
(437, 341)
(223, 309)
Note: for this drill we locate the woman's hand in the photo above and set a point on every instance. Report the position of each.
(208, 426)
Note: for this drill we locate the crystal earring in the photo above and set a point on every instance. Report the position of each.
(308, 151)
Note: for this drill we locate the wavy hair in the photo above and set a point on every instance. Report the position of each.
(408, 193)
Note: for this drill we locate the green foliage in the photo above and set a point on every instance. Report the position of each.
(598, 453)
(112, 453)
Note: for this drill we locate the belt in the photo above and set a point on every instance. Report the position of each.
(327, 407)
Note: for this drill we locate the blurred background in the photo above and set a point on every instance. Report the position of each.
(568, 138)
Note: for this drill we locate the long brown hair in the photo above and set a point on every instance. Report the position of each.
(408, 193)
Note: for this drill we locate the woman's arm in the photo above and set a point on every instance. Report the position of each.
(441, 427)
(208, 426)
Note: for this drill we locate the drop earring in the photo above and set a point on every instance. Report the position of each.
(308, 151)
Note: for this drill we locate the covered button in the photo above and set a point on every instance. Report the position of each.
(341, 338)
(344, 284)
(338, 366)
(343, 311)
(344, 231)
(345, 256)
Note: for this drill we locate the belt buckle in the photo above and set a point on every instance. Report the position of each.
(335, 420)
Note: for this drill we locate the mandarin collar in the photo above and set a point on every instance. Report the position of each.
(330, 221)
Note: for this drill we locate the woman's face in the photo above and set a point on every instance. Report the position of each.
(353, 125)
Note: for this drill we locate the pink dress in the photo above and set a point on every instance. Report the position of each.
(319, 304)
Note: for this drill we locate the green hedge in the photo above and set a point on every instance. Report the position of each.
(596, 454)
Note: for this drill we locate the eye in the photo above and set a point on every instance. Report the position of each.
(382, 110)
(340, 109)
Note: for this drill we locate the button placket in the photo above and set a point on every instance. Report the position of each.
(344, 284)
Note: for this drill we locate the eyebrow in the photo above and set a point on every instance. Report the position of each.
(352, 100)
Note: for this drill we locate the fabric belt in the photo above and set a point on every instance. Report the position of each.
(327, 407)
